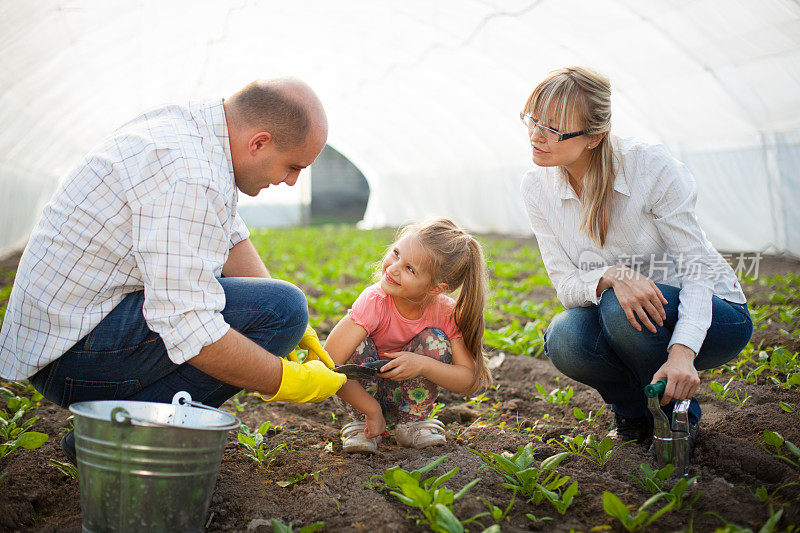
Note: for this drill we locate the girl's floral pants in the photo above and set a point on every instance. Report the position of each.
(403, 401)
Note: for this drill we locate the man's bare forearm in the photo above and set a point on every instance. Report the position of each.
(240, 362)
(244, 262)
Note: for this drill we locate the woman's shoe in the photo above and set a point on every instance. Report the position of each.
(354, 440)
(627, 429)
(421, 434)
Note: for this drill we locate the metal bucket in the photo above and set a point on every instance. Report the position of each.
(146, 466)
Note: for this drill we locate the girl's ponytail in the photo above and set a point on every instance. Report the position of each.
(469, 312)
(457, 260)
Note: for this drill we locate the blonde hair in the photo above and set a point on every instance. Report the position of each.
(585, 95)
(456, 259)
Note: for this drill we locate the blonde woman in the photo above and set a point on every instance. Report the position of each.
(646, 294)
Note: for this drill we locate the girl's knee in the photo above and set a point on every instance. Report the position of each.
(431, 342)
(366, 351)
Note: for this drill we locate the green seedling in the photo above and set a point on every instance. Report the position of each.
(598, 452)
(519, 340)
(67, 469)
(614, 507)
(789, 408)
(253, 443)
(533, 518)
(429, 495)
(725, 392)
(280, 527)
(15, 430)
(555, 396)
(764, 496)
(768, 527)
(678, 493)
(437, 407)
(652, 480)
(300, 477)
(521, 477)
(590, 419)
(236, 400)
(479, 399)
(498, 514)
(775, 440)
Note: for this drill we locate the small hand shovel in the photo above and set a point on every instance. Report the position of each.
(670, 441)
(366, 370)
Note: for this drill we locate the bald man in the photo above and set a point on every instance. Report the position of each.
(140, 279)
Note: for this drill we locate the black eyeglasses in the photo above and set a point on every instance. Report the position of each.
(548, 133)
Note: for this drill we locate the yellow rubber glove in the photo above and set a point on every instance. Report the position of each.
(309, 382)
(310, 342)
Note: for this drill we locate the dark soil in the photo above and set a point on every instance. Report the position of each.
(729, 460)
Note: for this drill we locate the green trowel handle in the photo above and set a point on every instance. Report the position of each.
(656, 389)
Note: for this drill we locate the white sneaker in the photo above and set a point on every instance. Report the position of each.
(428, 432)
(353, 439)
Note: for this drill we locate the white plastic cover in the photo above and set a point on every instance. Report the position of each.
(423, 96)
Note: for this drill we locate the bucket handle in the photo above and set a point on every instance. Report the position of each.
(121, 416)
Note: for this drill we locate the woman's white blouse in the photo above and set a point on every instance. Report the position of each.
(653, 229)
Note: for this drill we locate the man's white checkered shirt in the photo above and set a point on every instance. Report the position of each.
(653, 229)
(153, 207)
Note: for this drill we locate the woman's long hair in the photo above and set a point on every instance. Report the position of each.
(577, 95)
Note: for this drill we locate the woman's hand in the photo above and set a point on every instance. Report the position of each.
(638, 296)
(376, 424)
(682, 377)
(403, 366)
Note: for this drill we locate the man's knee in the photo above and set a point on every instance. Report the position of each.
(295, 305)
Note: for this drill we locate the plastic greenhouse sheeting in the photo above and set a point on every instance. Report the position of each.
(423, 97)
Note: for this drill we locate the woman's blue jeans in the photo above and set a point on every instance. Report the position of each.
(596, 345)
(122, 359)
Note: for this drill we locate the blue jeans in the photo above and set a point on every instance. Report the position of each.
(596, 345)
(122, 359)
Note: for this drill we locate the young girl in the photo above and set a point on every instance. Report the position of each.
(428, 339)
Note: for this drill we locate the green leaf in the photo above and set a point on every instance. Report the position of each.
(792, 448)
(468, 486)
(399, 477)
(613, 506)
(444, 477)
(773, 439)
(447, 520)
(553, 461)
(605, 446)
(421, 497)
(769, 525)
(32, 440)
(570, 493)
(433, 464)
(405, 499)
(279, 527)
(577, 413)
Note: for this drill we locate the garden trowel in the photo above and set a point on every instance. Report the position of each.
(670, 441)
(366, 370)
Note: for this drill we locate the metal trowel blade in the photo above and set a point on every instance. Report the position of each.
(363, 371)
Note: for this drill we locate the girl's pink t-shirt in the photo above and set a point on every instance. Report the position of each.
(374, 310)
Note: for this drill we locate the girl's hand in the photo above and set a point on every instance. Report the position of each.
(376, 425)
(403, 366)
(638, 296)
(682, 377)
